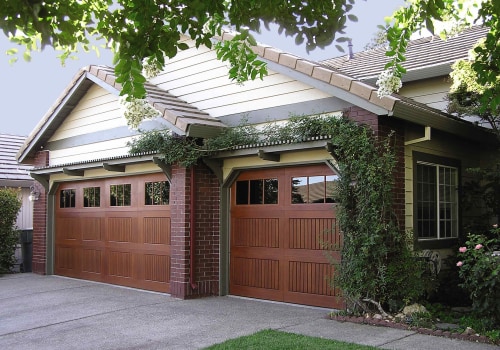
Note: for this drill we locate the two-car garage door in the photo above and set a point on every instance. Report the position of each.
(282, 222)
(115, 231)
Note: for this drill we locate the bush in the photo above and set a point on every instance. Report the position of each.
(9, 207)
(480, 272)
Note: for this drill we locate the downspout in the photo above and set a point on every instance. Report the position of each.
(192, 214)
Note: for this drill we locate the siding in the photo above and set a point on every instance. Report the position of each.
(97, 111)
(431, 92)
(197, 77)
(25, 215)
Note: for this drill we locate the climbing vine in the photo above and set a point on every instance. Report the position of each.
(378, 265)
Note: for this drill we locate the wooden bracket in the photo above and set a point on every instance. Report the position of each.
(272, 157)
(73, 172)
(114, 167)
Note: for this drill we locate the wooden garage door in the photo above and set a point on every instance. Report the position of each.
(115, 231)
(281, 220)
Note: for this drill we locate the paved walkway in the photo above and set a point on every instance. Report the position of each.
(49, 312)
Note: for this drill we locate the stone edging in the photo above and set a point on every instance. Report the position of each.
(426, 331)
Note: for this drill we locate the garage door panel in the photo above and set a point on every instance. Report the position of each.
(279, 252)
(127, 245)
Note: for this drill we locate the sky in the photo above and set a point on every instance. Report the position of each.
(28, 89)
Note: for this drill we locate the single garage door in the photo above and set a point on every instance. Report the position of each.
(115, 231)
(281, 221)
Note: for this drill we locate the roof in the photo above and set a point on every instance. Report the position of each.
(184, 117)
(430, 54)
(13, 174)
(347, 80)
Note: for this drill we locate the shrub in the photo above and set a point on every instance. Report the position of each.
(9, 207)
(480, 271)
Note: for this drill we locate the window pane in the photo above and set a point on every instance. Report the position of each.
(242, 192)
(271, 191)
(316, 189)
(299, 190)
(426, 201)
(157, 193)
(256, 191)
(120, 195)
(67, 199)
(331, 187)
(92, 197)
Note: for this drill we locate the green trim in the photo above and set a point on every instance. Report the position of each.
(50, 230)
(224, 253)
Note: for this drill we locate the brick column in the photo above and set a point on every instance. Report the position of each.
(40, 220)
(206, 277)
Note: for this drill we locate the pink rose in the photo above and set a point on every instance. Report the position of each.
(479, 246)
(459, 263)
(462, 249)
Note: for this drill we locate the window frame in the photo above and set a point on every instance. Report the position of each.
(437, 162)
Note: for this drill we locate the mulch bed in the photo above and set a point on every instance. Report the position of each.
(426, 331)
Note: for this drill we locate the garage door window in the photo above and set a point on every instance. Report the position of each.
(261, 191)
(313, 189)
(67, 198)
(120, 195)
(91, 197)
(157, 193)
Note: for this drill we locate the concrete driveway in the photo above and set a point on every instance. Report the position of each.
(49, 312)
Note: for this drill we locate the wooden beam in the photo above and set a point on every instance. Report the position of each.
(216, 166)
(167, 168)
(272, 157)
(114, 167)
(73, 172)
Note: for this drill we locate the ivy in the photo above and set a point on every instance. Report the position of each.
(377, 262)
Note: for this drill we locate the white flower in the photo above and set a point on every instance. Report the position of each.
(388, 83)
(150, 68)
(136, 110)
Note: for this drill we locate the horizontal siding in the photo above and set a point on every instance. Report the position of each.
(25, 216)
(197, 77)
(98, 150)
(431, 92)
(441, 145)
(97, 110)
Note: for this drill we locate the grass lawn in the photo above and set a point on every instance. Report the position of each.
(270, 339)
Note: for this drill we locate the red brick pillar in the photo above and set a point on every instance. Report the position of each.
(206, 269)
(40, 220)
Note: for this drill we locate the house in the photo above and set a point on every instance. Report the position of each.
(232, 224)
(15, 175)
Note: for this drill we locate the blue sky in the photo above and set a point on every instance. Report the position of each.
(28, 89)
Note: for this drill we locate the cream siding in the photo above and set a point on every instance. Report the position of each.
(197, 77)
(431, 92)
(93, 151)
(97, 110)
(292, 158)
(443, 146)
(25, 216)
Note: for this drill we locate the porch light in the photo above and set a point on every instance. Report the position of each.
(33, 194)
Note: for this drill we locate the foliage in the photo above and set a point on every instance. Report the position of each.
(9, 207)
(469, 97)
(480, 271)
(418, 15)
(149, 31)
(377, 262)
(271, 339)
(483, 190)
(379, 39)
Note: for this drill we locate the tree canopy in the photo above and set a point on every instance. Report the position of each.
(143, 33)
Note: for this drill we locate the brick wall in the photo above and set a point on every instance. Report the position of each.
(40, 220)
(206, 262)
(382, 126)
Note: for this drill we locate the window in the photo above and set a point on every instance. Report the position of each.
(261, 191)
(91, 197)
(157, 193)
(313, 189)
(67, 199)
(436, 201)
(120, 195)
